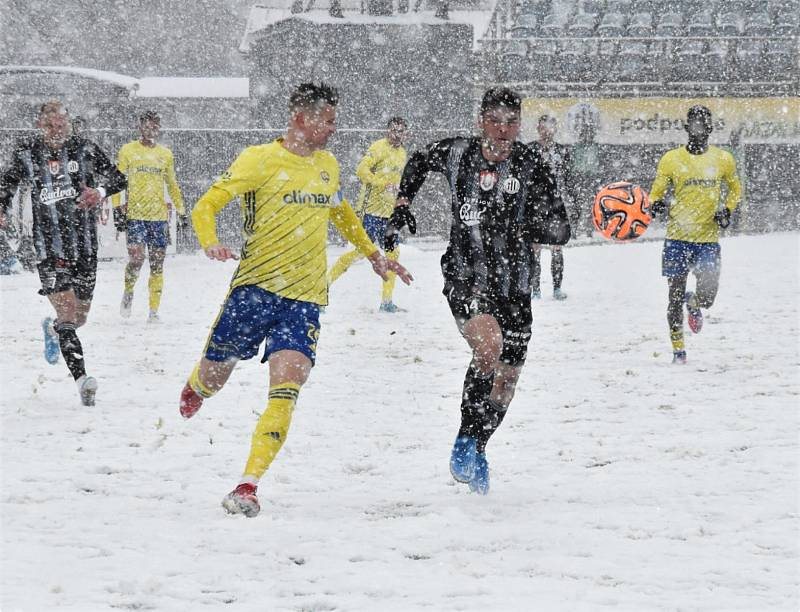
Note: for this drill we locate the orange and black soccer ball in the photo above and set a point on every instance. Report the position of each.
(621, 211)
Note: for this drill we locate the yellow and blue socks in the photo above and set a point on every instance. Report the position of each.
(271, 430)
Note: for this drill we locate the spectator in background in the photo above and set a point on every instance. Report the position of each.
(70, 176)
(586, 175)
(557, 157)
(145, 214)
(379, 171)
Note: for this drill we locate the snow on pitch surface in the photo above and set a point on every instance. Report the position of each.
(620, 482)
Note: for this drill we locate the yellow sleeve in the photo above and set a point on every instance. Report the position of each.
(662, 181)
(122, 166)
(734, 186)
(350, 227)
(204, 213)
(245, 174)
(365, 171)
(172, 186)
(241, 177)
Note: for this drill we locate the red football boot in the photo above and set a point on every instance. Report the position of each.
(242, 500)
(694, 316)
(190, 402)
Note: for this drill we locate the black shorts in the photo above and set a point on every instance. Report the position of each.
(513, 315)
(57, 275)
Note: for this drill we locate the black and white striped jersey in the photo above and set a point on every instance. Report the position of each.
(61, 230)
(499, 209)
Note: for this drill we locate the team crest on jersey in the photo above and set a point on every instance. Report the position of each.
(53, 166)
(469, 213)
(72, 166)
(488, 179)
(511, 185)
(325, 176)
(226, 176)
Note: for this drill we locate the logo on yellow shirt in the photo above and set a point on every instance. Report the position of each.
(308, 199)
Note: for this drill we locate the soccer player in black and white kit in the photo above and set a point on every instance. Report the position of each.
(502, 202)
(69, 176)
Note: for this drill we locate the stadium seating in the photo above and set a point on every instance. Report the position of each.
(550, 27)
(758, 24)
(612, 25)
(779, 60)
(747, 42)
(689, 60)
(632, 62)
(787, 23)
(582, 26)
(700, 24)
(525, 26)
(670, 24)
(514, 64)
(641, 25)
(716, 66)
(749, 65)
(543, 60)
(730, 23)
(577, 58)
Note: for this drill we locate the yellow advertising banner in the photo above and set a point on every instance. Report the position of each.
(660, 120)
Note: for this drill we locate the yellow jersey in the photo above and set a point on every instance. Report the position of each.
(147, 169)
(286, 200)
(697, 182)
(381, 166)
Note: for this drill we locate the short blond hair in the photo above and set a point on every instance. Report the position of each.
(53, 107)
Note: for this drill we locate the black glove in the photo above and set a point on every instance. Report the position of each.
(402, 216)
(658, 208)
(120, 219)
(183, 222)
(723, 217)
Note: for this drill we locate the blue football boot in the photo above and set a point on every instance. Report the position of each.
(52, 349)
(480, 481)
(462, 459)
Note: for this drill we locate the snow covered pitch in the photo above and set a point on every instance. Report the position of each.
(619, 481)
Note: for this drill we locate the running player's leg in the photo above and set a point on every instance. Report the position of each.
(675, 262)
(516, 321)
(388, 284)
(557, 271)
(156, 240)
(288, 371)
(536, 272)
(65, 305)
(707, 269)
(483, 334)
(155, 284)
(240, 328)
(291, 350)
(342, 264)
(136, 239)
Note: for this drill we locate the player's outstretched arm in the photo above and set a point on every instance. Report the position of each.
(382, 266)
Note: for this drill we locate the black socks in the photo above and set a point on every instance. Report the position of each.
(480, 416)
(71, 348)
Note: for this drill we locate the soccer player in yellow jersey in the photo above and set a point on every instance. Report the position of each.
(379, 171)
(148, 166)
(289, 190)
(696, 173)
